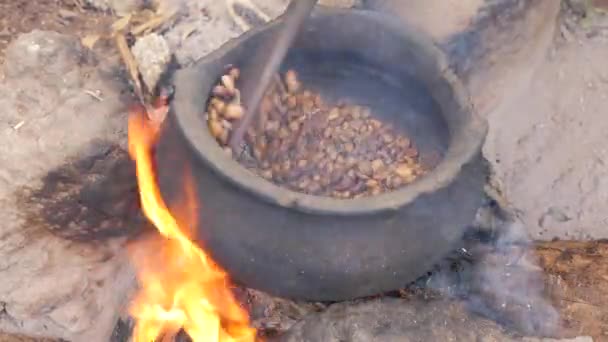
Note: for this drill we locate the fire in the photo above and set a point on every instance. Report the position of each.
(181, 287)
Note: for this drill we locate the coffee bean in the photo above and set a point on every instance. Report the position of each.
(216, 128)
(411, 152)
(334, 114)
(292, 82)
(365, 167)
(294, 126)
(377, 165)
(404, 170)
(301, 143)
(292, 102)
(403, 142)
(213, 115)
(223, 137)
(222, 92)
(217, 104)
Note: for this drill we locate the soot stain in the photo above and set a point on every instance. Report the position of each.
(91, 197)
(468, 49)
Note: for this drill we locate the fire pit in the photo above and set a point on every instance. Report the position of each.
(303, 246)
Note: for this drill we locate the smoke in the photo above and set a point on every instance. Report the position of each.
(497, 276)
(508, 285)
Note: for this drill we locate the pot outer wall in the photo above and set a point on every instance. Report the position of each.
(323, 258)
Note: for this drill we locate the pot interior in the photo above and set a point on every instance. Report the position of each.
(368, 65)
(357, 56)
(398, 99)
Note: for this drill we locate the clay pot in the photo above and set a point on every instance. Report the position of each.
(316, 248)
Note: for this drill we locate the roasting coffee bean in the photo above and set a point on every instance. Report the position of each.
(306, 145)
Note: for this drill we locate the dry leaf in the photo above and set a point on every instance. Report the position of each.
(149, 25)
(142, 16)
(122, 23)
(130, 63)
(89, 41)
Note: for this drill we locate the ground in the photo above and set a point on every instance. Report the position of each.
(56, 15)
(567, 93)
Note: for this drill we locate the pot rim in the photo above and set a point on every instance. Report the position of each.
(190, 121)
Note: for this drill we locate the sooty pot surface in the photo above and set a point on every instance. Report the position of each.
(319, 248)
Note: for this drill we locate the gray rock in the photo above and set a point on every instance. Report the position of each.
(397, 320)
(544, 113)
(545, 147)
(204, 25)
(389, 320)
(53, 287)
(201, 28)
(152, 55)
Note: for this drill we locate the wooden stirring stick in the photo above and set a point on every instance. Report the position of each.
(266, 63)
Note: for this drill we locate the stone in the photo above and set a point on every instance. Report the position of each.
(202, 27)
(396, 320)
(546, 147)
(402, 320)
(268, 313)
(59, 281)
(205, 25)
(544, 110)
(152, 54)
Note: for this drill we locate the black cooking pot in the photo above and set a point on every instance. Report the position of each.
(317, 248)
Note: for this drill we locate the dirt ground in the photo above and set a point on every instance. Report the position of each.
(577, 272)
(577, 278)
(64, 16)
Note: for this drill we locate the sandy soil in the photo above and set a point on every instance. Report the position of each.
(63, 16)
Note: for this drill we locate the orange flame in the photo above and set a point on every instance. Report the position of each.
(181, 287)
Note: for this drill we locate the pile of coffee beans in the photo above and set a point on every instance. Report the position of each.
(300, 142)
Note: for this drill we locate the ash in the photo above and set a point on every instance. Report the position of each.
(496, 275)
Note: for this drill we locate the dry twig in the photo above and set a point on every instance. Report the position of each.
(247, 4)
